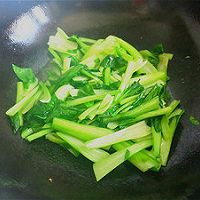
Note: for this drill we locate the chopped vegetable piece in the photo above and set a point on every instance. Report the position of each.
(53, 137)
(86, 99)
(46, 96)
(80, 131)
(60, 42)
(132, 132)
(38, 134)
(109, 163)
(66, 64)
(93, 155)
(88, 111)
(194, 121)
(17, 107)
(64, 91)
(166, 143)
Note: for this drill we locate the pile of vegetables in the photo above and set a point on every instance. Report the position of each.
(99, 97)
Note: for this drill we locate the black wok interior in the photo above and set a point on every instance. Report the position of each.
(25, 169)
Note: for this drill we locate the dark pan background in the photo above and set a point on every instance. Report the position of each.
(24, 31)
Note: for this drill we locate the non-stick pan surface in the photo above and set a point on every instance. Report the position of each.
(42, 170)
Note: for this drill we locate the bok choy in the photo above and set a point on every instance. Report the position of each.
(103, 99)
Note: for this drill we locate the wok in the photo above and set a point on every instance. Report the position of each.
(42, 170)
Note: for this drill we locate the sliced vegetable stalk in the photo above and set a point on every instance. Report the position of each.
(105, 104)
(20, 91)
(112, 125)
(17, 107)
(141, 160)
(107, 74)
(60, 42)
(163, 61)
(31, 103)
(128, 99)
(155, 113)
(38, 134)
(143, 108)
(25, 133)
(132, 50)
(46, 96)
(80, 131)
(66, 64)
(82, 46)
(57, 58)
(148, 68)
(166, 143)
(132, 132)
(93, 155)
(56, 139)
(20, 94)
(149, 79)
(87, 40)
(157, 137)
(132, 67)
(87, 112)
(123, 107)
(64, 91)
(109, 163)
(86, 99)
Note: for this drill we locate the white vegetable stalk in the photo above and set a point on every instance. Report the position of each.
(64, 91)
(132, 132)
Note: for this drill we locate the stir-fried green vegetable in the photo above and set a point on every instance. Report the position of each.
(99, 95)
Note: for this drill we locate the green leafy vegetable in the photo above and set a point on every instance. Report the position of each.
(103, 99)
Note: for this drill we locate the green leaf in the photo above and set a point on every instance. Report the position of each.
(84, 47)
(134, 89)
(86, 90)
(66, 78)
(158, 49)
(24, 74)
(108, 61)
(194, 121)
(15, 121)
